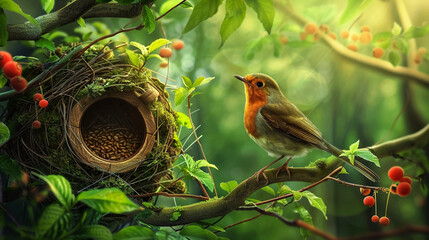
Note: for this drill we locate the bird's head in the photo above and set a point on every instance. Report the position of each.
(260, 88)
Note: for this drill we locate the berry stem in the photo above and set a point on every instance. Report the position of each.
(375, 197)
(383, 189)
(387, 204)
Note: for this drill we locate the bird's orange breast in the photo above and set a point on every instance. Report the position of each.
(255, 99)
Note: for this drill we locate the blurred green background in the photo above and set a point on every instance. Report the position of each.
(346, 101)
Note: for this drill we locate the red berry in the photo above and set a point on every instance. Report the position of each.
(377, 52)
(384, 221)
(37, 97)
(310, 28)
(365, 191)
(18, 83)
(406, 179)
(403, 189)
(396, 173)
(365, 37)
(332, 35)
(369, 201)
(163, 64)
(178, 44)
(4, 58)
(37, 124)
(374, 218)
(43, 103)
(352, 47)
(365, 29)
(345, 34)
(12, 69)
(165, 52)
(283, 39)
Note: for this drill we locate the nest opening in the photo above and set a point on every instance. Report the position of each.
(113, 129)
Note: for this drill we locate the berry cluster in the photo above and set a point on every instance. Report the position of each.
(167, 52)
(43, 103)
(12, 70)
(403, 188)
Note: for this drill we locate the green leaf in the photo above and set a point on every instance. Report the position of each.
(402, 44)
(397, 29)
(343, 171)
(265, 11)
(234, 16)
(382, 39)
(148, 19)
(96, 232)
(141, 47)
(134, 233)
(157, 44)
(204, 163)
(183, 120)
(255, 46)
(228, 186)
(175, 216)
(10, 167)
(299, 44)
(394, 58)
(369, 156)
(316, 202)
(284, 190)
(306, 217)
(187, 82)
(53, 220)
(203, 177)
(60, 187)
(277, 44)
(354, 147)
(81, 22)
(107, 200)
(203, 10)
(48, 5)
(10, 5)
(180, 95)
(269, 190)
(353, 9)
(134, 58)
(3, 30)
(202, 80)
(296, 195)
(415, 32)
(351, 159)
(193, 232)
(45, 43)
(4, 133)
(169, 4)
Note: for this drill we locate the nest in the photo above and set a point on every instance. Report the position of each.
(108, 124)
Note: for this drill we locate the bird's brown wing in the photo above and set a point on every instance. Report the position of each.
(290, 120)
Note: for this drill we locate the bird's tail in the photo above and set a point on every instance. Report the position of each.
(360, 167)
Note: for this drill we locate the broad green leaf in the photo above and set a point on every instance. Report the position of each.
(157, 44)
(415, 32)
(134, 233)
(183, 120)
(10, 167)
(48, 5)
(397, 29)
(148, 19)
(299, 44)
(204, 163)
(3, 30)
(276, 209)
(306, 217)
(4, 133)
(156, 56)
(55, 34)
(45, 43)
(402, 44)
(351, 158)
(53, 220)
(394, 58)
(255, 46)
(10, 5)
(269, 190)
(60, 187)
(175, 216)
(203, 10)
(107, 200)
(316, 202)
(187, 82)
(228, 186)
(141, 47)
(353, 9)
(81, 22)
(169, 4)
(180, 95)
(265, 11)
(134, 58)
(354, 147)
(234, 16)
(284, 190)
(382, 39)
(343, 171)
(204, 178)
(96, 232)
(296, 195)
(143, 214)
(202, 80)
(193, 232)
(369, 156)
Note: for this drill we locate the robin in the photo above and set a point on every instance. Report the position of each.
(280, 128)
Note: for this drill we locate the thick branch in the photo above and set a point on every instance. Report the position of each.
(69, 14)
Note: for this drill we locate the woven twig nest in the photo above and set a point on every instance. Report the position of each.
(108, 124)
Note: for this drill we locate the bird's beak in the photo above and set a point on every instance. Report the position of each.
(243, 79)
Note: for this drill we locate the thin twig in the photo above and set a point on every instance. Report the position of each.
(240, 222)
(383, 189)
(169, 195)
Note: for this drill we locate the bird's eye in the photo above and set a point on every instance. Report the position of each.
(260, 84)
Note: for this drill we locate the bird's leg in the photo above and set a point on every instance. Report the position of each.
(285, 167)
(263, 170)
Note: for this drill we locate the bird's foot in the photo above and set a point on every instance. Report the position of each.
(284, 166)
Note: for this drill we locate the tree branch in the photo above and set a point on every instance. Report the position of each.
(69, 14)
